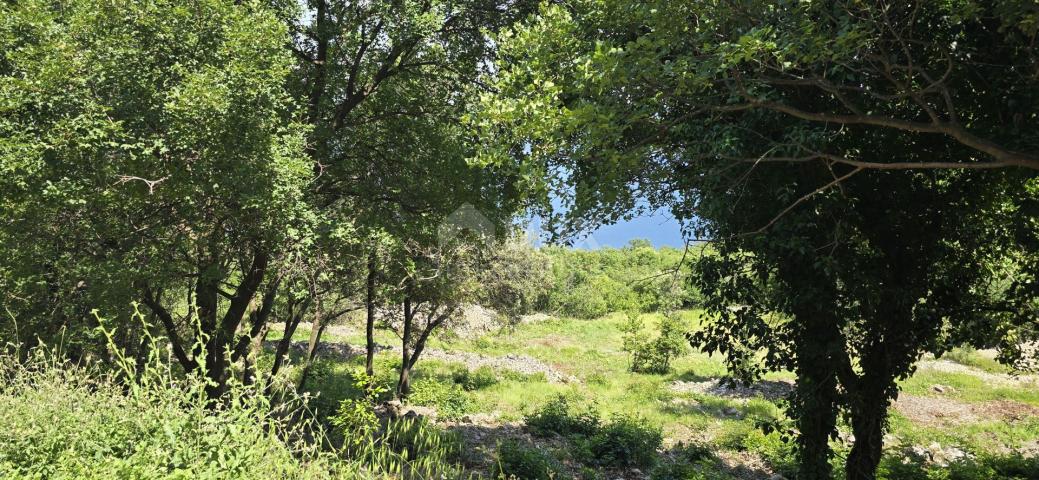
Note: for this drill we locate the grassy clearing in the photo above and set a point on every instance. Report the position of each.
(591, 351)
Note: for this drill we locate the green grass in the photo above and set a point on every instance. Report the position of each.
(967, 388)
(590, 350)
(972, 358)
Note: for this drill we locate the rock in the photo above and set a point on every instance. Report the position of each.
(418, 411)
(935, 454)
(389, 409)
(942, 389)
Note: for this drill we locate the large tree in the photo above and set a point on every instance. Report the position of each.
(149, 155)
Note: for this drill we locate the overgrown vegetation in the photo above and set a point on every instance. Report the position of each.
(856, 183)
(624, 440)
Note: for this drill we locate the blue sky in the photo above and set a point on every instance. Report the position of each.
(660, 228)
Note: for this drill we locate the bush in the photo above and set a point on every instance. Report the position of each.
(527, 462)
(470, 380)
(625, 441)
(450, 401)
(693, 461)
(558, 417)
(653, 356)
(778, 453)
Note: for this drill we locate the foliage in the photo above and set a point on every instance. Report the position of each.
(559, 417)
(1009, 467)
(355, 420)
(624, 441)
(450, 400)
(469, 380)
(150, 153)
(519, 460)
(592, 283)
(687, 462)
(792, 138)
(513, 278)
(653, 356)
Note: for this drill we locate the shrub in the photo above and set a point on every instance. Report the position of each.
(592, 283)
(778, 453)
(692, 461)
(653, 356)
(625, 441)
(984, 466)
(450, 401)
(527, 462)
(558, 417)
(355, 421)
(470, 380)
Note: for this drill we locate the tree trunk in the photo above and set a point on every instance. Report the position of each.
(815, 401)
(214, 338)
(369, 327)
(296, 313)
(249, 366)
(868, 418)
(220, 335)
(404, 382)
(316, 329)
(868, 427)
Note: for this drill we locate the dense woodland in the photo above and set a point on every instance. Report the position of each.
(204, 202)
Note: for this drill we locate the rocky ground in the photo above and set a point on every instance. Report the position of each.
(522, 364)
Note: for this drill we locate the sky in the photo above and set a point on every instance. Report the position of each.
(660, 228)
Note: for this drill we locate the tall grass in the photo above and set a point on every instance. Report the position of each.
(63, 420)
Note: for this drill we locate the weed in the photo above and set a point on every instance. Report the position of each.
(559, 417)
(470, 380)
(450, 401)
(520, 460)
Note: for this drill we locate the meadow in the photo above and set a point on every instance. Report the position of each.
(961, 416)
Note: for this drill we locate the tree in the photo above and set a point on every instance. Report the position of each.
(773, 132)
(436, 282)
(152, 157)
(384, 85)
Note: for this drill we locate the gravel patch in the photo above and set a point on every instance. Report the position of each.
(517, 363)
(767, 389)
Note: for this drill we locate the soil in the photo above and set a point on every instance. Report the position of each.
(940, 411)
